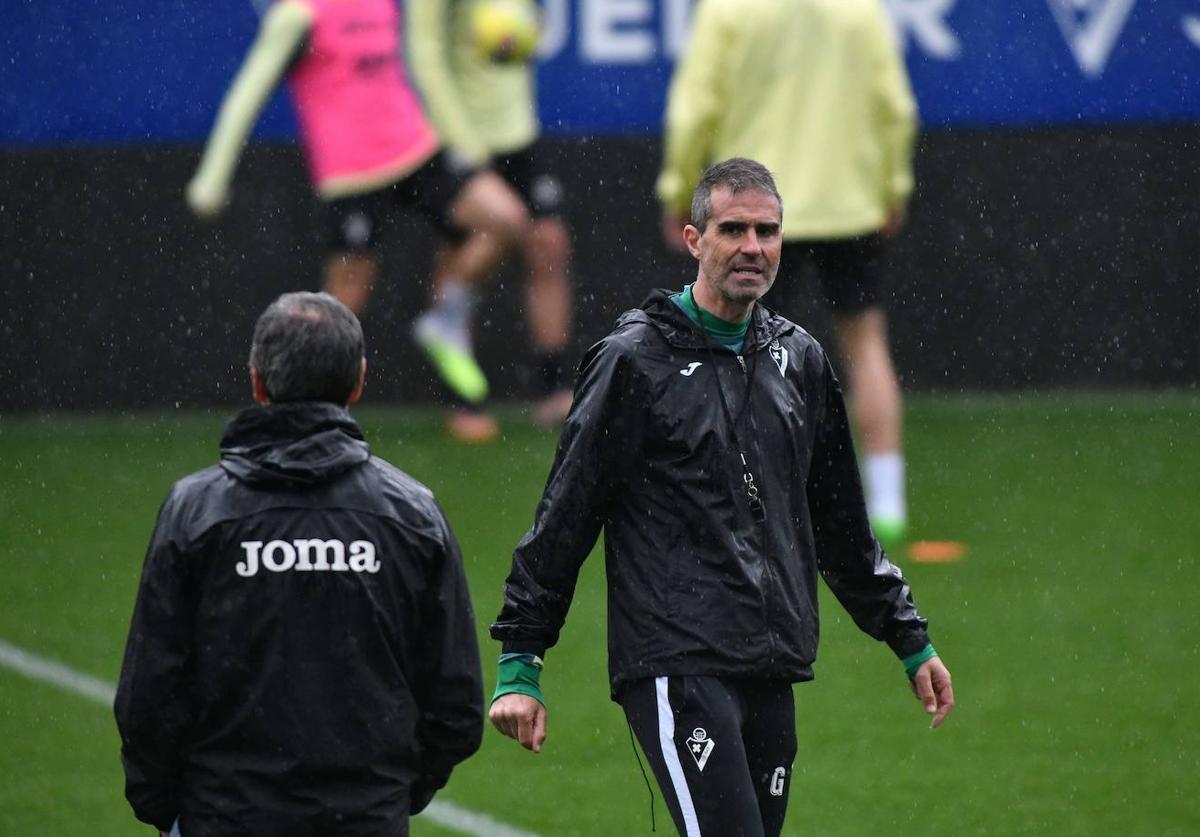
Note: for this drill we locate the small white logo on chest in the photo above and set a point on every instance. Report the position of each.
(691, 367)
(780, 356)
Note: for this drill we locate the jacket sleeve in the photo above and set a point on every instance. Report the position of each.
(280, 38)
(599, 443)
(695, 102)
(895, 111)
(851, 560)
(153, 705)
(450, 688)
(429, 41)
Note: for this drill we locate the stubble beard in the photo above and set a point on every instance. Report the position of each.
(744, 295)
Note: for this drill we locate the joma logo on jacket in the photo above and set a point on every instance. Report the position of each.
(307, 554)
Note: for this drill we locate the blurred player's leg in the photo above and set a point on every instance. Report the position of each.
(351, 266)
(851, 272)
(547, 252)
(494, 220)
(444, 331)
(548, 307)
(491, 219)
(875, 402)
(350, 277)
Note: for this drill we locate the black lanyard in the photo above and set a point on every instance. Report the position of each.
(756, 505)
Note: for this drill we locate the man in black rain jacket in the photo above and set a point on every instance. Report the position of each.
(709, 439)
(302, 658)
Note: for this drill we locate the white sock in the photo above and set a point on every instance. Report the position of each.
(452, 310)
(884, 474)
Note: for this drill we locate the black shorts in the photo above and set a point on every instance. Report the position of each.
(721, 749)
(529, 173)
(850, 271)
(352, 223)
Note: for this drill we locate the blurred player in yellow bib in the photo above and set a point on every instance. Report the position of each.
(472, 61)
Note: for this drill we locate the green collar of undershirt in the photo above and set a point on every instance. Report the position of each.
(731, 335)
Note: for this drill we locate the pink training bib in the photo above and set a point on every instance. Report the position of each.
(358, 112)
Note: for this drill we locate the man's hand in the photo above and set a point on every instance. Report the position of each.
(205, 198)
(520, 717)
(893, 222)
(931, 685)
(672, 230)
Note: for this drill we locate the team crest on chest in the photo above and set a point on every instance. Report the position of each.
(779, 355)
(701, 747)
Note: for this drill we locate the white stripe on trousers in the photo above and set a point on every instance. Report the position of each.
(666, 739)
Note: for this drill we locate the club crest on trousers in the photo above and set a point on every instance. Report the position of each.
(701, 747)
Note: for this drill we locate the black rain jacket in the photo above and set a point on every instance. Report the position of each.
(302, 657)
(700, 580)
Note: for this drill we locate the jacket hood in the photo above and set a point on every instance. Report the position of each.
(303, 443)
(659, 311)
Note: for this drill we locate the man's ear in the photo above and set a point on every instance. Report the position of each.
(691, 237)
(357, 394)
(258, 389)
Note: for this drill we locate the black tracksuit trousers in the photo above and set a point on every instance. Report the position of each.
(721, 749)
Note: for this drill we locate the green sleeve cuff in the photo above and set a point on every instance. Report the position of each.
(915, 661)
(519, 675)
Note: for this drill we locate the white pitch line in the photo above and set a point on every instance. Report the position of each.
(55, 673)
(469, 822)
(45, 670)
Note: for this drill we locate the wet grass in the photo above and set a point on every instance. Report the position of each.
(1071, 626)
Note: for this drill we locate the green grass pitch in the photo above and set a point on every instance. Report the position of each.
(1072, 626)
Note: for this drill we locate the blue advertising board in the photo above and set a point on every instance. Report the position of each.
(118, 71)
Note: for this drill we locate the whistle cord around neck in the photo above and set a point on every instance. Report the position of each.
(748, 482)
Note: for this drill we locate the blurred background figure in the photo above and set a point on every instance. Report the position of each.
(472, 61)
(816, 91)
(370, 150)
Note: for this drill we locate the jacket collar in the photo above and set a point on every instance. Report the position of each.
(659, 311)
(298, 443)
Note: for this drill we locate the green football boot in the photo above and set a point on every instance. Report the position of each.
(455, 364)
(892, 532)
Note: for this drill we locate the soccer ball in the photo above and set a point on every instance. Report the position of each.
(504, 31)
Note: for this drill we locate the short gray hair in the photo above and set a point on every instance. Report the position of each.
(737, 174)
(307, 347)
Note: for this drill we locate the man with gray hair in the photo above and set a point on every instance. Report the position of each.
(302, 656)
(709, 440)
